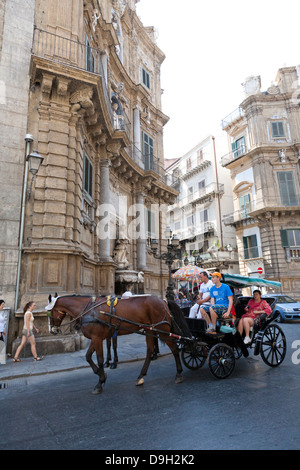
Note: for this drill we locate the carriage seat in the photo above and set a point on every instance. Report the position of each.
(196, 325)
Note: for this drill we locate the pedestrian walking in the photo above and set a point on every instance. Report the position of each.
(27, 332)
(2, 321)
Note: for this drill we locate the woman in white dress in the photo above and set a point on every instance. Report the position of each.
(27, 332)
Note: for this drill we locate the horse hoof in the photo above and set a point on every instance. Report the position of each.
(113, 366)
(178, 380)
(97, 391)
(139, 382)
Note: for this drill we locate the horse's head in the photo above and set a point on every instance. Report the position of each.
(56, 313)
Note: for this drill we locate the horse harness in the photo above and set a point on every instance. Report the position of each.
(89, 315)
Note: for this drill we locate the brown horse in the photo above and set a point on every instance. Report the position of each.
(141, 313)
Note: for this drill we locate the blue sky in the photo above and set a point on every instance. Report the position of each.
(211, 47)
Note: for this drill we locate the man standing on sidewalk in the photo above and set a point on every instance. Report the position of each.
(221, 303)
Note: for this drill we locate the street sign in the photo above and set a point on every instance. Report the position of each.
(260, 270)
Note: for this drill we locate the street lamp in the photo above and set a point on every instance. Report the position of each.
(169, 256)
(33, 162)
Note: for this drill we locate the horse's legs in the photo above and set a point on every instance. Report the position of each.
(97, 345)
(116, 360)
(155, 350)
(89, 359)
(150, 345)
(108, 357)
(174, 348)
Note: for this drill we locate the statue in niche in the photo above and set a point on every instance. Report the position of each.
(121, 252)
(282, 156)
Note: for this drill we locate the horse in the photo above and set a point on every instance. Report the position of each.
(146, 313)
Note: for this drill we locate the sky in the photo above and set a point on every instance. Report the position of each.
(211, 47)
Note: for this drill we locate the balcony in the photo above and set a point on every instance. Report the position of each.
(76, 55)
(231, 156)
(193, 166)
(266, 204)
(232, 117)
(202, 194)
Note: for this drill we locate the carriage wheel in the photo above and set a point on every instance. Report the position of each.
(221, 361)
(273, 346)
(237, 352)
(193, 356)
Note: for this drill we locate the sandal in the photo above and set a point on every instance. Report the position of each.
(38, 358)
(16, 359)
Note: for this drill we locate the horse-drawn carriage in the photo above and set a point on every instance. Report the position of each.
(223, 348)
(227, 345)
(148, 315)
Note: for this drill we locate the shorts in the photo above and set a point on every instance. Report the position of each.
(218, 309)
(24, 332)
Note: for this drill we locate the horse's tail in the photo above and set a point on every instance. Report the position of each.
(179, 325)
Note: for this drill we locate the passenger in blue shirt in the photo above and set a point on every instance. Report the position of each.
(221, 303)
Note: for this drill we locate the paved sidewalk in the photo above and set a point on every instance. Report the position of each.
(130, 348)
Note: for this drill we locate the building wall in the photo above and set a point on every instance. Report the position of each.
(16, 27)
(266, 203)
(80, 95)
(205, 194)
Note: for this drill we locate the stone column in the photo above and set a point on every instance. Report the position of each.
(103, 228)
(141, 235)
(137, 150)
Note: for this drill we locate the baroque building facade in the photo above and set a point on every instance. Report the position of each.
(205, 195)
(83, 78)
(264, 142)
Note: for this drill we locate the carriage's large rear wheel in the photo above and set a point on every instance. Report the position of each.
(221, 361)
(193, 355)
(273, 346)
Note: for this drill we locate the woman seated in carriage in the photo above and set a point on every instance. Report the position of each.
(254, 309)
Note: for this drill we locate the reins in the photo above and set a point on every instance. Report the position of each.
(94, 305)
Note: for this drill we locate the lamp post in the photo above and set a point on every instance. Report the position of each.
(169, 256)
(32, 163)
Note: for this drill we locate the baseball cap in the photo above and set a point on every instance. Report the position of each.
(217, 274)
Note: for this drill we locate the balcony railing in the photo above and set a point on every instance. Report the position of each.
(267, 203)
(231, 156)
(73, 54)
(235, 115)
(202, 194)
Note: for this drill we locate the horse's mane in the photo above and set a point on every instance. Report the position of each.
(179, 325)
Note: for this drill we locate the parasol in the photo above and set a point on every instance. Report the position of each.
(188, 273)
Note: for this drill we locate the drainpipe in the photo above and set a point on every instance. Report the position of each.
(218, 194)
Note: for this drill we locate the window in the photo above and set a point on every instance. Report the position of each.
(200, 156)
(146, 78)
(188, 164)
(290, 238)
(277, 128)
(287, 188)
(88, 176)
(190, 194)
(250, 247)
(190, 221)
(238, 147)
(204, 216)
(150, 224)
(89, 58)
(148, 154)
(245, 205)
(201, 185)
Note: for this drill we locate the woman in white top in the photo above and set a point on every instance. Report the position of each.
(27, 332)
(2, 321)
